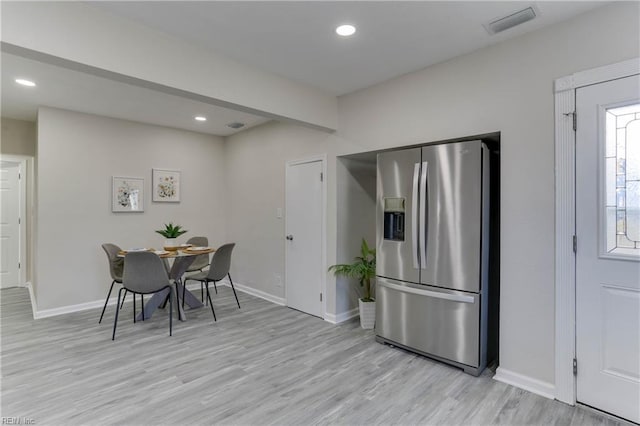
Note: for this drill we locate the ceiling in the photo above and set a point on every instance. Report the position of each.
(294, 39)
(77, 91)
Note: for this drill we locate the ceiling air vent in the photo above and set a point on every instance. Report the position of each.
(498, 25)
(236, 125)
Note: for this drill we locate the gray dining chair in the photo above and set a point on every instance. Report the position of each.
(201, 261)
(144, 273)
(115, 269)
(219, 268)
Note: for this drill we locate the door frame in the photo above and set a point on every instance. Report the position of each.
(22, 196)
(322, 158)
(565, 216)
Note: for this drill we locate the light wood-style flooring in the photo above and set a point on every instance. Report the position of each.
(260, 365)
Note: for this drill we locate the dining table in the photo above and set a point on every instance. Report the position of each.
(182, 257)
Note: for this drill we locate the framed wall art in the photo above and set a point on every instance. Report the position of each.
(166, 185)
(127, 194)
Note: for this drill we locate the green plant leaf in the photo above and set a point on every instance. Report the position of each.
(171, 231)
(363, 269)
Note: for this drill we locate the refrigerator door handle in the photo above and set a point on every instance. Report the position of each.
(414, 216)
(428, 293)
(423, 214)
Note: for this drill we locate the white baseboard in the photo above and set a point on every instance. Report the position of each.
(193, 286)
(46, 313)
(32, 297)
(245, 289)
(341, 317)
(527, 383)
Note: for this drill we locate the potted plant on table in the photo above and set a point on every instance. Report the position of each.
(171, 232)
(364, 269)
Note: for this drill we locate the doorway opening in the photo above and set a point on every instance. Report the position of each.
(13, 221)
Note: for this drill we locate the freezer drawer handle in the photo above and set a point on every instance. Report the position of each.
(428, 293)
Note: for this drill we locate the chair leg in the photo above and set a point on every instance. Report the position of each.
(171, 310)
(184, 292)
(142, 302)
(215, 287)
(105, 302)
(115, 321)
(234, 290)
(125, 296)
(202, 293)
(134, 308)
(210, 302)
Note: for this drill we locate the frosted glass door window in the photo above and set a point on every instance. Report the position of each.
(622, 180)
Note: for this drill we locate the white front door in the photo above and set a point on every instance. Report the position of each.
(9, 224)
(608, 247)
(304, 213)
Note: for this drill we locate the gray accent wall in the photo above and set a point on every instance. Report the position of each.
(18, 137)
(356, 219)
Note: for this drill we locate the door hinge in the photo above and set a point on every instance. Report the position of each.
(19, 265)
(19, 221)
(321, 177)
(575, 244)
(321, 297)
(575, 367)
(574, 117)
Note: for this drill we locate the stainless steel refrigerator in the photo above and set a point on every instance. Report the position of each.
(432, 251)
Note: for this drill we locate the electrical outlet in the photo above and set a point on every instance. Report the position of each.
(279, 213)
(278, 280)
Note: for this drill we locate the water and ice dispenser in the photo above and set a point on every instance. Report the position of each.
(394, 219)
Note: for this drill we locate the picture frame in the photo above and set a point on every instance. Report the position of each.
(127, 194)
(166, 186)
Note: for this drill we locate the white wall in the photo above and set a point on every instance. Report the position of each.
(255, 172)
(506, 88)
(77, 156)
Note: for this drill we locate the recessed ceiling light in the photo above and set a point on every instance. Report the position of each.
(346, 30)
(200, 118)
(25, 82)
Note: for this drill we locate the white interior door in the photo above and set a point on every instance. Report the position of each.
(608, 247)
(9, 224)
(304, 260)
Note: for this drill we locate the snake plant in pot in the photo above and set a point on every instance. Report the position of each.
(171, 232)
(364, 270)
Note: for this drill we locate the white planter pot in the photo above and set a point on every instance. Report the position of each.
(367, 314)
(170, 243)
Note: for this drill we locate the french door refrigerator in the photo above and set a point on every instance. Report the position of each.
(432, 252)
